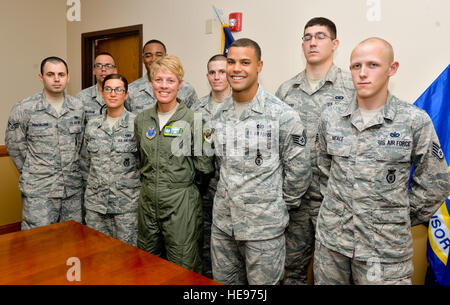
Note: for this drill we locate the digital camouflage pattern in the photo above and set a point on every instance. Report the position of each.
(335, 88)
(263, 260)
(368, 210)
(265, 167)
(120, 226)
(92, 102)
(333, 268)
(206, 108)
(45, 147)
(110, 163)
(142, 97)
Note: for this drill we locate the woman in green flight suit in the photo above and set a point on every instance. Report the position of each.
(170, 210)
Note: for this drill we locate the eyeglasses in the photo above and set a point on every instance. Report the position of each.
(106, 66)
(317, 36)
(117, 90)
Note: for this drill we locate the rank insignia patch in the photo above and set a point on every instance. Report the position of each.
(299, 140)
(437, 151)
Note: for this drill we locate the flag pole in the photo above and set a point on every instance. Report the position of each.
(217, 14)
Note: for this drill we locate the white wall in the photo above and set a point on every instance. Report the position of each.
(419, 31)
(29, 32)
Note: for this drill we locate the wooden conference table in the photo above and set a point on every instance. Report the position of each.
(48, 256)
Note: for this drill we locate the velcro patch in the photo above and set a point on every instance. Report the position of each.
(437, 151)
(171, 131)
(299, 139)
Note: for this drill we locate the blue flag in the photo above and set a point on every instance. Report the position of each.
(436, 102)
(227, 39)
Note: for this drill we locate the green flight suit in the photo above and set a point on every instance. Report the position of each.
(170, 207)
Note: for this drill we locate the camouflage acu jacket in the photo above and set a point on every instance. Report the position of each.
(368, 209)
(45, 146)
(264, 166)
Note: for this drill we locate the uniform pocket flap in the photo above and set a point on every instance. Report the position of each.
(338, 150)
(128, 183)
(75, 129)
(126, 147)
(390, 215)
(92, 148)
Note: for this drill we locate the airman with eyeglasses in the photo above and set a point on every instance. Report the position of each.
(91, 97)
(106, 66)
(320, 85)
(118, 90)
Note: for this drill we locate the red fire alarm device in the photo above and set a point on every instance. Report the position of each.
(235, 22)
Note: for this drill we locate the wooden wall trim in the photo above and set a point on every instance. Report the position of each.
(10, 228)
(3, 151)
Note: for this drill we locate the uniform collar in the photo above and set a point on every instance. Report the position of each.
(255, 105)
(179, 113)
(387, 113)
(43, 104)
(207, 104)
(123, 120)
(302, 80)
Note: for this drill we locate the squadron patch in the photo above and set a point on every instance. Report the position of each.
(151, 132)
(207, 135)
(390, 177)
(437, 151)
(299, 140)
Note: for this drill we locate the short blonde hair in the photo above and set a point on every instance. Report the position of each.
(168, 63)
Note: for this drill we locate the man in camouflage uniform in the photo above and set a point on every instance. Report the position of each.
(91, 97)
(111, 164)
(319, 86)
(366, 150)
(265, 168)
(220, 89)
(43, 139)
(141, 90)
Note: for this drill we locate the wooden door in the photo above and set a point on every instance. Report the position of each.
(123, 43)
(126, 52)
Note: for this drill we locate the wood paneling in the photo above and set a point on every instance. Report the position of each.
(3, 151)
(10, 228)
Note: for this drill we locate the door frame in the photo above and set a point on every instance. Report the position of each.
(87, 49)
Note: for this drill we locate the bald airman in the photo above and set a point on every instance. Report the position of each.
(366, 151)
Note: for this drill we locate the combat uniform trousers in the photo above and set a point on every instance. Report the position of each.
(300, 241)
(235, 261)
(333, 268)
(120, 226)
(41, 211)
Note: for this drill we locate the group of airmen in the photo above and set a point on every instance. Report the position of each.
(318, 172)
